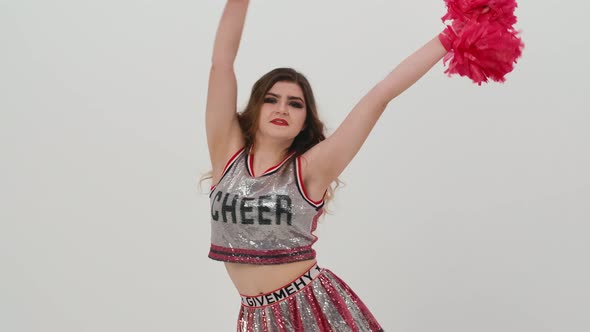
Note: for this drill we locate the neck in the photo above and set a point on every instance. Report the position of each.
(270, 151)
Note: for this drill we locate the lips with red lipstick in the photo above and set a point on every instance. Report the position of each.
(279, 122)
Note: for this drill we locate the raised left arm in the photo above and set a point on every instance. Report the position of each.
(327, 159)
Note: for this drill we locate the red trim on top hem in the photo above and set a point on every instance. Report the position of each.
(252, 256)
(262, 260)
(261, 253)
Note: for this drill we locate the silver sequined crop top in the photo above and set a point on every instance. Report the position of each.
(268, 219)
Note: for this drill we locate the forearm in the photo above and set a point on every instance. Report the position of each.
(409, 71)
(229, 33)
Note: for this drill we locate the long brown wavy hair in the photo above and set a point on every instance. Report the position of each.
(314, 129)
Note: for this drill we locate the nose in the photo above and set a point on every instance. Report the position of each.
(282, 108)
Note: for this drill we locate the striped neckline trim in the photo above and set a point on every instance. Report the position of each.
(273, 169)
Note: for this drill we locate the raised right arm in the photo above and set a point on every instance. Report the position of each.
(223, 131)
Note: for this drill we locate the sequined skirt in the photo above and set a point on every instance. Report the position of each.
(317, 301)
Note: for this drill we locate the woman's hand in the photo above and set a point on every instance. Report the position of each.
(229, 32)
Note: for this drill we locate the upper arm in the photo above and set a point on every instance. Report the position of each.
(330, 157)
(224, 135)
(326, 160)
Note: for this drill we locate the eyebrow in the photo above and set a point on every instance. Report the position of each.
(288, 97)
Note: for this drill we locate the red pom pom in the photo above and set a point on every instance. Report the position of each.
(481, 40)
(501, 11)
(482, 50)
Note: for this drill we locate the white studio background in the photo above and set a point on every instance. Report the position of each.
(467, 208)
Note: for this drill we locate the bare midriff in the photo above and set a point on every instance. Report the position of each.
(253, 280)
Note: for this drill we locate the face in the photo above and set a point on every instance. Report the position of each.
(283, 112)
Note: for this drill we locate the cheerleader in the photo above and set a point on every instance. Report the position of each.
(273, 170)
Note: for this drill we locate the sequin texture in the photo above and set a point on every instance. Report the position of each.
(326, 304)
(267, 219)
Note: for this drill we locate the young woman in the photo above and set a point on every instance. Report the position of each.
(272, 171)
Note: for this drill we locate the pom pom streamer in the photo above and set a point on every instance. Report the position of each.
(501, 11)
(481, 41)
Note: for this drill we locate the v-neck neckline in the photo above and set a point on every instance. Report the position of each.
(250, 164)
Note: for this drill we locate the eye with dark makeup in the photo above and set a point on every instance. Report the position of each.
(296, 104)
(272, 100)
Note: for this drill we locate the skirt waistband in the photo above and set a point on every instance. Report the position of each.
(284, 292)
